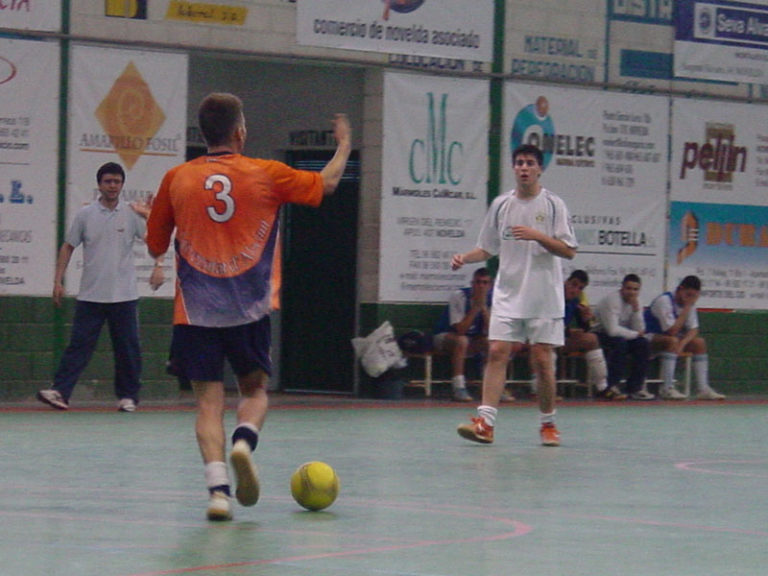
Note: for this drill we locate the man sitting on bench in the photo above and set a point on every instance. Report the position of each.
(462, 330)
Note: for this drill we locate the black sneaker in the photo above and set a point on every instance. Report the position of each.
(52, 398)
(614, 394)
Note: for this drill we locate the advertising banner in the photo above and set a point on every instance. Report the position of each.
(128, 107)
(434, 178)
(41, 15)
(719, 211)
(446, 29)
(29, 106)
(718, 40)
(605, 154)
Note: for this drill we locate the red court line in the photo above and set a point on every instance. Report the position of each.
(701, 467)
(301, 402)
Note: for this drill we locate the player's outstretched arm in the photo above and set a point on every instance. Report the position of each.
(333, 171)
(474, 255)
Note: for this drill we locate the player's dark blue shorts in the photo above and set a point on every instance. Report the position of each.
(198, 352)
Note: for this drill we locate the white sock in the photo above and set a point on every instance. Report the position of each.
(547, 418)
(459, 382)
(487, 413)
(216, 474)
(701, 369)
(597, 371)
(668, 363)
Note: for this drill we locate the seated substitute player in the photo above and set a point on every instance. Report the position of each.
(672, 324)
(224, 208)
(620, 326)
(462, 330)
(579, 338)
(529, 228)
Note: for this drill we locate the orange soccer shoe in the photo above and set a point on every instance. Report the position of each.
(550, 435)
(477, 431)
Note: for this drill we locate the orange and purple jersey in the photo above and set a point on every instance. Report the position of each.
(224, 209)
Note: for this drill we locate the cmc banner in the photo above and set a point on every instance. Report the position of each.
(719, 211)
(445, 29)
(29, 106)
(720, 40)
(43, 15)
(128, 107)
(605, 154)
(433, 193)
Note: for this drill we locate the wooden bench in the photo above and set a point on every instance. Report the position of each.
(567, 380)
(427, 381)
(567, 376)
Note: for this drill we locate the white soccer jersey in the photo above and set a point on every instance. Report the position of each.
(529, 283)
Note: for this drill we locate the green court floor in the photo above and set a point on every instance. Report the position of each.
(635, 490)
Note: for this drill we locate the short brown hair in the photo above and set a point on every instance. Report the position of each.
(218, 116)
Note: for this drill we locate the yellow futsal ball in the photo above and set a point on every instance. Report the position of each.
(314, 485)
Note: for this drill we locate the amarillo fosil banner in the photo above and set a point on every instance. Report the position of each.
(459, 29)
(605, 155)
(128, 107)
(43, 15)
(29, 106)
(433, 194)
(719, 211)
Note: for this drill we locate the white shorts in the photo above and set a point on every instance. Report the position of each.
(530, 330)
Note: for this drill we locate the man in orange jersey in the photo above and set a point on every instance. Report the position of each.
(224, 207)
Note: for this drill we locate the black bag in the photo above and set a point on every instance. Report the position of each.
(415, 342)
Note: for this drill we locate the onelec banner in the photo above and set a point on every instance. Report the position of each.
(446, 29)
(605, 155)
(719, 210)
(128, 107)
(29, 107)
(434, 179)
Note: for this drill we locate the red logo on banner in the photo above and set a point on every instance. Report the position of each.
(7, 70)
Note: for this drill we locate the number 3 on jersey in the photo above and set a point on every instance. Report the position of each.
(222, 185)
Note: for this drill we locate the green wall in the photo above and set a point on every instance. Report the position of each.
(31, 344)
(32, 339)
(738, 341)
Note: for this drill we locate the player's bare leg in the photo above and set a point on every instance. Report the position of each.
(209, 428)
(251, 414)
(544, 365)
(480, 429)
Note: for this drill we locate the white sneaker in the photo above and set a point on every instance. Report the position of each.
(247, 492)
(709, 394)
(219, 507)
(126, 405)
(53, 398)
(461, 395)
(642, 394)
(671, 393)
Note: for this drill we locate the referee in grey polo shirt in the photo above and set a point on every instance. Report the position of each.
(107, 229)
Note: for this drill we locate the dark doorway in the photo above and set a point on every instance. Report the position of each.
(319, 284)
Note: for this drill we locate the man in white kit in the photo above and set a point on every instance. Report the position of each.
(530, 230)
